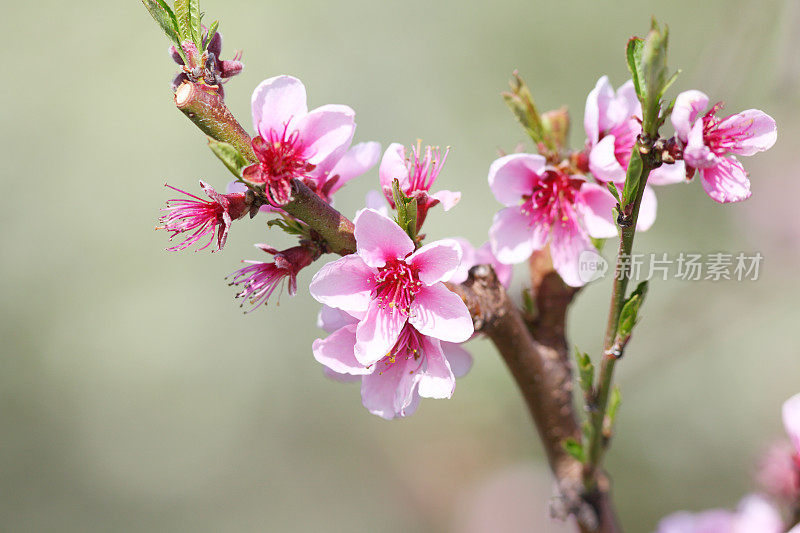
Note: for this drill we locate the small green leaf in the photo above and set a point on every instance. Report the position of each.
(165, 18)
(585, 371)
(210, 35)
(290, 226)
(669, 82)
(230, 156)
(654, 67)
(188, 15)
(632, 177)
(574, 448)
(520, 101)
(614, 192)
(634, 55)
(630, 312)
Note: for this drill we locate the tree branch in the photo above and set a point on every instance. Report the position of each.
(543, 375)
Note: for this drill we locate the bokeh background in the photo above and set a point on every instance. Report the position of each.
(135, 395)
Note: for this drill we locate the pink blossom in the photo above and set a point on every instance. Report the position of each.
(613, 122)
(711, 144)
(544, 204)
(415, 173)
(387, 284)
(200, 218)
(259, 279)
(416, 366)
(754, 514)
(791, 420)
(470, 256)
(293, 142)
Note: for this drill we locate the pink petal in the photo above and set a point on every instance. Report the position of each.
(391, 392)
(341, 378)
(688, 105)
(461, 273)
(276, 101)
(377, 333)
(714, 521)
(668, 174)
(330, 319)
(603, 161)
(569, 241)
(358, 160)
(436, 261)
(624, 106)
(336, 352)
(512, 237)
(514, 175)
(460, 359)
(484, 256)
(594, 116)
(345, 284)
(647, 209)
(437, 379)
(377, 202)
(754, 130)
(726, 181)
(448, 199)
(791, 420)
(440, 313)
(393, 166)
(379, 238)
(598, 217)
(326, 133)
(756, 514)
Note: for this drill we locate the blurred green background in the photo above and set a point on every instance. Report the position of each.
(137, 397)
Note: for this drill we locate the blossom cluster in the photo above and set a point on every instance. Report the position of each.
(568, 205)
(392, 322)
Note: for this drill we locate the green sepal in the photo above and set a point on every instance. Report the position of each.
(574, 448)
(165, 18)
(230, 156)
(406, 210)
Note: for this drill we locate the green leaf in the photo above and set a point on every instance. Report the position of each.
(585, 371)
(630, 312)
(188, 15)
(634, 55)
(574, 448)
(520, 101)
(210, 35)
(654, 67)
(669, 82)
(632, 177)
(165, 18)
(290, 226)
(230, 156)
(614, 192)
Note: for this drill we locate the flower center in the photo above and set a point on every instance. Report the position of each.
(396, 284)
(552, 198)
(407, 347)
(281, 154)
(721, 138)
(423, 170)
